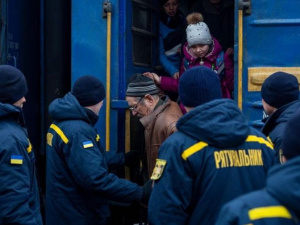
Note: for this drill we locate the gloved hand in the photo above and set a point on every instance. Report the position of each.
(132, 159)
(147, 189)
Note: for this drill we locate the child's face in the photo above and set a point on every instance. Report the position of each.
(171, 7)
(200, 50)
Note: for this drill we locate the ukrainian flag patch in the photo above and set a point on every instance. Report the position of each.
(16, 159)
(87, 144)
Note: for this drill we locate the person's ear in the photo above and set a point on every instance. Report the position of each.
(149, 98)
(283, 159)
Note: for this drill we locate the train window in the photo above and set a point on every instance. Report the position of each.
(142, 32)
(141, 17)
(142, 49)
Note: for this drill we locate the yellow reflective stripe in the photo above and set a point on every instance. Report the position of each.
(269, 212)
(269, 139)
(200, 145)
(252, 138)
(29, 148)
(193, 149)
(60, 133)
(97, 137)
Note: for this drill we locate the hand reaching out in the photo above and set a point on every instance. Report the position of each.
(229, 51)
(153, 76)
(176, 75)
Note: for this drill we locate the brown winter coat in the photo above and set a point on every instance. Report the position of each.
(159, 125)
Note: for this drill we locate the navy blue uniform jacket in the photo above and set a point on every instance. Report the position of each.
(276, 123)
(277, 204)
(19, 195)
(78, 183)
(214, 157)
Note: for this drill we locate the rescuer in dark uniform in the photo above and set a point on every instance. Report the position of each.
(280, 98)
(19, 194)
(78, 184)
(278, 203)
(214, 157)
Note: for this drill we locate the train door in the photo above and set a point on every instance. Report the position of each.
(113, 40)
(266, 41)
(141, 51)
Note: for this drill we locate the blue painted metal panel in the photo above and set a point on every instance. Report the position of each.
(270, 39)
(119, 104)
(88, 54)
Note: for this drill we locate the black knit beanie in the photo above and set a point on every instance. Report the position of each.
(13, 84)
(291, 140)
(279, 89)
(140, 85)
(88, 90)
(199, 85)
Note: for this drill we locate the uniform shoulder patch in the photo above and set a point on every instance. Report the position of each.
(29, 148)
(158, 169)
(49, 139)
(87, 144)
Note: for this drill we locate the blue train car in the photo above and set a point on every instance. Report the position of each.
(112, 41)
(54, 43)
(265, 42)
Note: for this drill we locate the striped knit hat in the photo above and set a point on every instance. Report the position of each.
(140, 85)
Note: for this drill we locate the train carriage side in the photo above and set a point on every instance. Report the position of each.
(266, 40)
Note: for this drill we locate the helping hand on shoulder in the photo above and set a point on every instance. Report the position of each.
(153, 76)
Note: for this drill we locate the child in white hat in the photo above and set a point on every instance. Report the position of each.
(201, 49)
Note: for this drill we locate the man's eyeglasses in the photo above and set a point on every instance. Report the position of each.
(134, 107)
